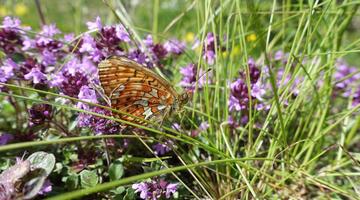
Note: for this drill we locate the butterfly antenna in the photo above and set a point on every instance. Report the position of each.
(203, 74)
(24, 154)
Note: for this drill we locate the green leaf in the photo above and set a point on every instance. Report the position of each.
(72, 181)
(4, 163)
(88, 178)
(42, 160)
(116, 170)
(118, 190)
(130, 194)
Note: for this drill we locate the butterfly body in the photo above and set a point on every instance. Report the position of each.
(138, 91)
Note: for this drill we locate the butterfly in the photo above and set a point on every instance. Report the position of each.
(134, 89)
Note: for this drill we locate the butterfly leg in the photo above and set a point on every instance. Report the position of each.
(166, 113)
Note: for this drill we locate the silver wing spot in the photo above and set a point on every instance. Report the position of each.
(147, 112)
(161, 107)
(142, 102)
(154, 93)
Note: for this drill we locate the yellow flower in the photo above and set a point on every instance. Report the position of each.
(225, 54)
(20, 9)
(235, 51)
(251, 37)
(3, 11)
(189, 37)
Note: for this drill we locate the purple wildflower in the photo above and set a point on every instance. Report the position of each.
(174, 46)
(281, 56)
(28, 43)
(9, 22)
(239, 97)
(176, 126)
(72, 84)
(148, 41)
(6, 138)
(140, 57)
(86, 94)
(190, 76)
(49, 30)
(121, 33)
(10, 39)
(143, 189)
(158, 51)
(7, 70)
(98, 124)
(39, 113)
(356, 97)
(170, 189)
(95, 25)
(46, 188)
(202, 127)
(254, 71)
(35, 75)
(163, 148)
(28, 65)
(284, 81)
(69, 37)
(45, 39)
(345, 75)
(232, 122)
(155, 189)
(88, 44)
(48, 58)
(209, 48)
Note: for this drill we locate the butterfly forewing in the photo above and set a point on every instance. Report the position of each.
(134, 89)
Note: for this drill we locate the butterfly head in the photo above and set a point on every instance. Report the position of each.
(184, 98)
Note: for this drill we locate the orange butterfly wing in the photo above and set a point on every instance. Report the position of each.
(134, 89)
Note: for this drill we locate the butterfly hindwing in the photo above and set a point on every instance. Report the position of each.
(134, 89)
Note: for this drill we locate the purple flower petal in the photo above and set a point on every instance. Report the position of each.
(5, 138)
(46, 188)
(36, 75)
(95, 25)
(9, 22)
(49, 30)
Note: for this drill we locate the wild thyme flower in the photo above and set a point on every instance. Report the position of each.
(86, 94)
(155, 189)
(107, 41)
(239, 96)
(72, 83)
(345, 76)
(211, 45)
(140, 57)
(356, 97)
(157, 51)
(174, 46)
(99, 125)
(46, 188)
(29, 64)
(163, 148)
(10, 38)
(7, 70)
(39, 113)
(202, 127)
(190, 77)
(254, 71)
(5, 138)
(36, 76)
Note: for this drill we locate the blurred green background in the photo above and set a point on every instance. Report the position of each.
(163, 18)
